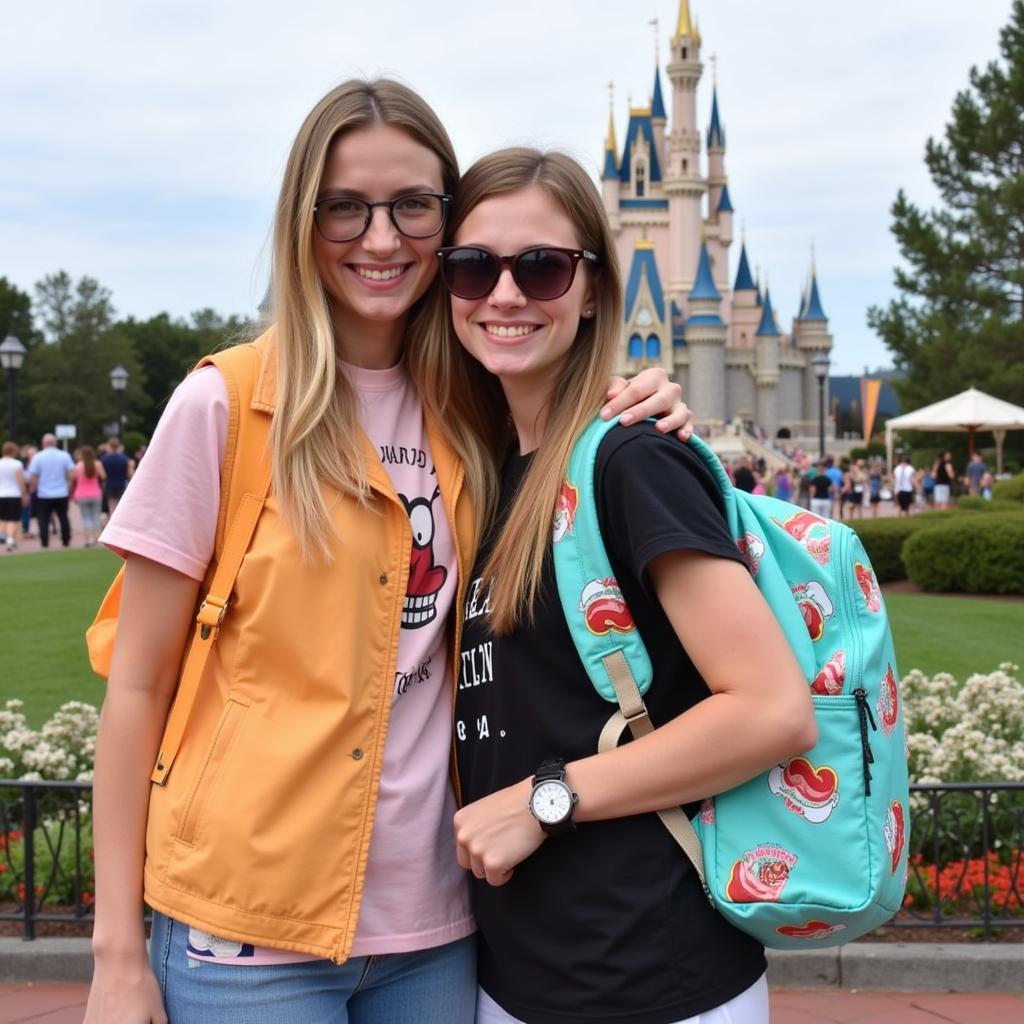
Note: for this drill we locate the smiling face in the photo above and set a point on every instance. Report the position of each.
(372, 281)
(522, 341)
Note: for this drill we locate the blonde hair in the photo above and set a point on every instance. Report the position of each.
(516, 561)
(315, 435)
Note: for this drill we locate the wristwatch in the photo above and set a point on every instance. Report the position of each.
(552, 801)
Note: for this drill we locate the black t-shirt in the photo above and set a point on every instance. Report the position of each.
(115, 465)
(821, 486)
(608, 923)
(743, 478)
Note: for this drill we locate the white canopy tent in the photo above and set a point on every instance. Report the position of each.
(972, 410)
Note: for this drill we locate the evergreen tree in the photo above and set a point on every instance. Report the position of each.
(959, 320)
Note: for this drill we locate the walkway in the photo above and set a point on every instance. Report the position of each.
(65, 1004)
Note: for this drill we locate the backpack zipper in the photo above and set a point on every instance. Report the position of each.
(865, 716)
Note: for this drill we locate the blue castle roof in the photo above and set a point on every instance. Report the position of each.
(611, 169)
(678, 326)
(813, 310)
(724, 202)
(640, 124)
(704, 286)
(644, 265)
(716, 135)
(767, 327)
(744, 278)
(657, 103)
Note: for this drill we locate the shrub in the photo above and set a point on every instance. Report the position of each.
(868, 451)
(62, 749)
(976, 503)
(976, 554)
(883, 540)
(1009, 490)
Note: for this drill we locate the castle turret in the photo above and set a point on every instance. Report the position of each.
(658, 119)
(766, 367)
(648, 328)
(746, 314)
(610, 173)
(684, 185)
(813, 337)
(705, 341)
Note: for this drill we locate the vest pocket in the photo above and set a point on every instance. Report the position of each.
(227, 727)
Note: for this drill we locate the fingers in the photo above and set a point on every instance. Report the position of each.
(482, 865)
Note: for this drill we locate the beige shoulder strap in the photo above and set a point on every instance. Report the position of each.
(632, 714)
(245, 481)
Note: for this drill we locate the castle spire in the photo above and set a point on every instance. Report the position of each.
(704, 287)
(657, 103)
(767, 327)
(813, 309)
(611, 169)
(744, 279)
(716, 136)
(684, 23)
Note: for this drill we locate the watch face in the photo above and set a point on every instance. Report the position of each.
(551, 802)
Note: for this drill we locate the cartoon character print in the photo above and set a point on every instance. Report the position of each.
(604, 609)
(815, 606)
(811, 531)
(707, 812)
(202, 943)
(760, 875)
(895, 832)
(888, 705)
(868, 586)
(565, 511)
(425, 578)
(829, 681)
(752, 549)
(811, 930)
(809, 791)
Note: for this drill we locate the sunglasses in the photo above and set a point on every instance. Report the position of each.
(544, 272)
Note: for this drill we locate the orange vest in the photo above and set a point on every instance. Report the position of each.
(261, 827)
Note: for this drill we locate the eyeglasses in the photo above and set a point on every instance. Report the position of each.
(345, 218)
(544, 272)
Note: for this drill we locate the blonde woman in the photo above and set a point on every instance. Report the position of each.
(298, 852)
(593, 913)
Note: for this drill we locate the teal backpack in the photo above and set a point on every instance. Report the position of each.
(812, 853)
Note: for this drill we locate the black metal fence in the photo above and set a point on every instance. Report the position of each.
(966, 845)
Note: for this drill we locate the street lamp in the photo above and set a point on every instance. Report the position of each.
(12, 355)
(119, 381)
(820, 364)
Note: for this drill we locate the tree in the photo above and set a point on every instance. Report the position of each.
(959, 319)
(67, 378)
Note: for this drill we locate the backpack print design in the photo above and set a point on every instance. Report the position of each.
(812, 792)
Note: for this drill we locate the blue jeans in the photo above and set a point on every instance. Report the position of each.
(431, 986)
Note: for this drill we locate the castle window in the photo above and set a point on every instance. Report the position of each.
(653, 348)
(636, 347)
(641, 179)
(685, 166)
(682, 52)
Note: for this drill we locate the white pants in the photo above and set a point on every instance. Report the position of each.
(749, 1007)
(822, 507)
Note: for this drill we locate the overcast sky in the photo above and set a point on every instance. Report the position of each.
(142, 143)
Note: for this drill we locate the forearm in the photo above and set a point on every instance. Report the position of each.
(716, 745)
(131, 725)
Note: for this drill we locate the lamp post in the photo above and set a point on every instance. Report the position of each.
(12, 355)
(820, 364)
(119, 381)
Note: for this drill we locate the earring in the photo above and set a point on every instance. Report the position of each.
(587, 313)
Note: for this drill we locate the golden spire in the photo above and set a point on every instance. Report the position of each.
(610, 144)
(684, 26)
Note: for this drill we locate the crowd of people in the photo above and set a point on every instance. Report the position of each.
(849, 488)
(44, 483)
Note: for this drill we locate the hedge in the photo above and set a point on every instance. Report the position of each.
(973, 554)
(883, 539)
(1009, 490)
(976, 503)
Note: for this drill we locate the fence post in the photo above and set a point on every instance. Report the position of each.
(29, 900)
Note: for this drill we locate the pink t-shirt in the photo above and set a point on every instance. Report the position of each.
(86, 486)
(415, 894)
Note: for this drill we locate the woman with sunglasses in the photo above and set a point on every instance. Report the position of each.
(298, 857)
(586, 907)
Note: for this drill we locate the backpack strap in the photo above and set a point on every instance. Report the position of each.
(245, 482)
(616, 660)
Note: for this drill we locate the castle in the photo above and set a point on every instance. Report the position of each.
(722, 343)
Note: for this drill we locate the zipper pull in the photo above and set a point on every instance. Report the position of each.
(864, 715)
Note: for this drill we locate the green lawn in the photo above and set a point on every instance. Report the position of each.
(49, 598)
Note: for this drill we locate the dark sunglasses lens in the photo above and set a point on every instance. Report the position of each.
(469, 273)
(544, 273)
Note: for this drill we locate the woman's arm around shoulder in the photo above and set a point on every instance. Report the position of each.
(157, 607)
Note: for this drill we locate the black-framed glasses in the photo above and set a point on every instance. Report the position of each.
(543, 272)
(346, 218)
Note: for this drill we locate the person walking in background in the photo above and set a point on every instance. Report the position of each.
(51, 475)
(875, 480)
(783, 484)
(117, 469)
(743, 476)
(13, 494)
(976, 470)
(88, 493)
(945, 476)
(822, 491)
(903, 477)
